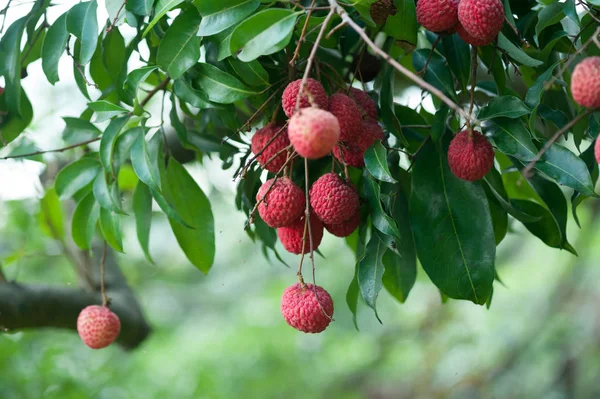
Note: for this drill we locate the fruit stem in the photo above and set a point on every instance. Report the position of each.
(105, 301)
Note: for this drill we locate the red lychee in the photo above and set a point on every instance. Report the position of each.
(352, 153)
(349, 155)
(597, 150)
(365, 102)
(316, 98)
(483, 19)
(472, 40)
(333, 200)
(283, 204)
(260, 140)
(291, 236)
(348, 115)
(302, 310)
(585, 83)
(437, 15)
(313, 132)
(346, 228)
(470, 156)
(98, 326)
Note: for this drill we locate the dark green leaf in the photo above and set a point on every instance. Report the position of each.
(370, 272)
(179, 49)
(220, 86)
(452, 227)
(160, 9)
(403, 26)
(251, 72)
(517, 53)
(107, 143)
(535, 92)
(110, 225)
(548, 15)
(78, 130)
(567, 169)
(437, 72)
(10, 65)
(76, 176)
(83, 24)
(114, 53)
(220, 15)
(512, 138)
(54, 46)
(376, 163)
(145, 162)
(136, 77)
(142, 209)
(51, 215)
(139, 7)
(263, 33)
(105, 106)
(505, 106)
(85, 217)
(459, 58)
(382, 221)
(198, 243)
(185, 92)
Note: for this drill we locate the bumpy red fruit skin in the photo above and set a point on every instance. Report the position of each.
(470, 158)
(291, 236)
(333, 200)
(481, 18)
(260, 140)
(301, 310)
(350, 155)
(313, 132)
(317, 94)
(585, 83)
(365, 102)
(283, 204)
(348, 115)
(437, 15)
(353, 153)
(346, 228)
(97, 326)
(472, 40)
(597, 150)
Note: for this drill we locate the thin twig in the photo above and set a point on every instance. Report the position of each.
(4, 12)
(105, 301)
(80, 69)
(114, 22)
(433, 46)
(274, 156)
(514, 29)
(152, 92)
(69, 147)
(473, 82)
(302, 34)
(527, 170)
(335, 29)
(403, 70)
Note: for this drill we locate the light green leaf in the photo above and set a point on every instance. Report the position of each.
(110, 225)
(179, 49)
(142, 209)
(220, 86)
(54, 46)
(76, 176)
(85, 217)
(83, 24)
(220, 15)
(144, 159)
(107, 143)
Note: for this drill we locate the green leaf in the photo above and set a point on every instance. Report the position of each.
(498, 214)
(142, 209)
(179, 49)
(438, 128)
(376, 163)
(545, 228)
(114, 54)
(105, 106)
(78, 74)
(452, 227)
(516, 53)
(512, 138)
(220, 86)
(549, 15)
(78, 130)
(136, 77)
(382, 221)
(220, 15)
(504, 106)
(54, 46)
(122, 148)
(386, 103)
(110, 225)
(535, 92)
(191, 203)
(76, 176)
(403, 26)
(437, 72)
(10, 65)
(567, 169)
(144, 159)
(352, 298)
(139, 7)
(51, 215)
(251, 72)
(496, 188)
(264, 33)
(160, 9)
(185, 92)
(85, 217)
(116, 13)
(370, 272)
(458, 56)
(107, 143)
(83, 24)
(106, 194)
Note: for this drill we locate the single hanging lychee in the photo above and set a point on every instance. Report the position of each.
(98, 326)
(302, 310)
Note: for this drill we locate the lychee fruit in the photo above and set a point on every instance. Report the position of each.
(348, 115)
(313, 132)
(291, 236)
(470, 156)
(585, 83)
(437, 15)
(98, 326)
(307, 308)
(346, 228)
(333, 200)
(283, 203)
(349, 155)
(364, 102)
(381, 10)
(470, 39)
(352, 153)
(366, 66)
(267, 158)
(597, 150)
(483, 19)
(317, 97)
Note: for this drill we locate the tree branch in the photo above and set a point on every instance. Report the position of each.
(36, 306)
